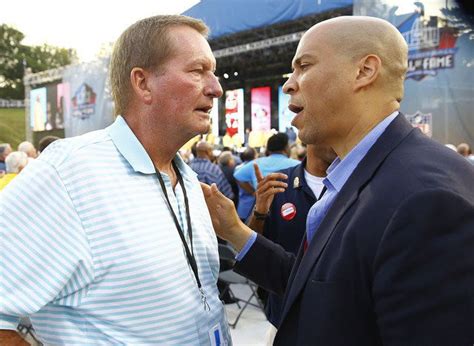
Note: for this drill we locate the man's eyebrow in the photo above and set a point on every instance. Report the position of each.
(202, 61)
(297, 61)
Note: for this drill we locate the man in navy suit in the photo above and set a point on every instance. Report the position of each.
(388, 257)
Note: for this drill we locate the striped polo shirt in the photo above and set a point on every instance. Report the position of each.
(90, 252)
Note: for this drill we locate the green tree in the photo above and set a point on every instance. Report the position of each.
(11, 66)
(15, 57)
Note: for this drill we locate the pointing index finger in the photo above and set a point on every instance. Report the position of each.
(258, 173)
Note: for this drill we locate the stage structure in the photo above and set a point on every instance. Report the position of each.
(254, 43)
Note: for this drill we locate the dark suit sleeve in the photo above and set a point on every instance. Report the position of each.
(423, 287)
(267, 264)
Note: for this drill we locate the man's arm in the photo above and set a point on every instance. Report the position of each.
(243, 176)
(225, 219)
(262, 255)
(246, 186)
(40, 251)
(267, 264)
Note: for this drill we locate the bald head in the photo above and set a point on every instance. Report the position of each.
(356, 37)
(204, 150)
(348, 74)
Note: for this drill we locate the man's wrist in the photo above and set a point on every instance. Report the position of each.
(239, 237)
(259, 215)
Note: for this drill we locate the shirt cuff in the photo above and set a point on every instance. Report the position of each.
(247, 246)
(9, 322)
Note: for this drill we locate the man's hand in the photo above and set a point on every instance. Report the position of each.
(225, 220)
(267, 188)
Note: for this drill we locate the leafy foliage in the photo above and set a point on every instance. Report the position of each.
(15, 57)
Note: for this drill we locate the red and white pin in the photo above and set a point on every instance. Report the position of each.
(288, 211)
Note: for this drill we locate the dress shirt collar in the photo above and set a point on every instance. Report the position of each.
(340, 170)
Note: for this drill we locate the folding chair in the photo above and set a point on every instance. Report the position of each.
(229, 277)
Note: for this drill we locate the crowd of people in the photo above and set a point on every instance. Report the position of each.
(12, 162)
(110, 237)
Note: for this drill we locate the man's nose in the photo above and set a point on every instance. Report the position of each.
(290, 85)
(213, 88)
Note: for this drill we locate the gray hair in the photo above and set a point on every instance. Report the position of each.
(225, 158)
(15, 161)
(28, 148)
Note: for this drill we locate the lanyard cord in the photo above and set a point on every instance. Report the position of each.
(189, 253)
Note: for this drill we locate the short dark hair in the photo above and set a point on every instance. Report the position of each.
(277, 142)
(45, 141)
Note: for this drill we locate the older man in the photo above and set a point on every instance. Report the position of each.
(387, 258)
(29, 149)
(111, 242)
(15, 162)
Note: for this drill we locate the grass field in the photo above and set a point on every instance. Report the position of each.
(12, 126)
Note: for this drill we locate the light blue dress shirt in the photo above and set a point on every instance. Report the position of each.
(338, 174)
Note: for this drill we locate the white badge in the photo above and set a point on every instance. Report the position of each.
(215, 335)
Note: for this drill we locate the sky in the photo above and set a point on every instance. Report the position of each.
(85, 25)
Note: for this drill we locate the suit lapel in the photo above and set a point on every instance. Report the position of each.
(392, 136)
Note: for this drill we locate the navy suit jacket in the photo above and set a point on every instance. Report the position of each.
(392, 263)
(288, 233)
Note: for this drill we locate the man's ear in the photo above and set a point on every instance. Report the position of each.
(368, 70)
(140, 84)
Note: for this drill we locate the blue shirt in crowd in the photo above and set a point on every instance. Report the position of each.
(246, 173)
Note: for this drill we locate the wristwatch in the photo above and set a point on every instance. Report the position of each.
(259, 216)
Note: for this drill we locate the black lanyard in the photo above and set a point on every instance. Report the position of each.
(189, 253)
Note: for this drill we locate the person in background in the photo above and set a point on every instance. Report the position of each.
(111, 242)
(227, 164)
(46, 141)
(282, 202)
(236, 157)
(246, 195)
(298, 151)
(290, 132)
(5, 150)
(277, 157)
(277, 152)
(387, 256)
(465, 150)
(207, 171)
(15, 162)
(29, 149)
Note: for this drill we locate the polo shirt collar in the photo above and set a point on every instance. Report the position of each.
(133, 151)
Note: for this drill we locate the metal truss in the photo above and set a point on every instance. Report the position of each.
(262, 44)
